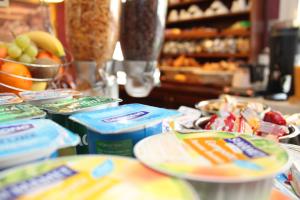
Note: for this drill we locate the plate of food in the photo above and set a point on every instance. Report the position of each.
(271, 124)
(229, 103)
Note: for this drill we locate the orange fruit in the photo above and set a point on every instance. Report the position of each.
(3, 52)
(16, 69)
(56, 59)
(45, 54)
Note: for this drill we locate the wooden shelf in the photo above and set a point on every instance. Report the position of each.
(215, 17)
(179, 5)
(192, 35)
(212, 55)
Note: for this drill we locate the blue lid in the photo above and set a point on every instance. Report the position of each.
(122, 118)
(22, 137)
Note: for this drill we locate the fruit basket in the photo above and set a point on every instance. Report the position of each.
(31, 62)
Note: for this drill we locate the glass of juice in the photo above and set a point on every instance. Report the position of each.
(297, 78)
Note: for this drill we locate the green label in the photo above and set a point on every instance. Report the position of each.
(120, 147)
(77, 104)
(19, 111)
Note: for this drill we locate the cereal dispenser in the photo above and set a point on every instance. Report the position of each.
(93, 28)
(92, 32)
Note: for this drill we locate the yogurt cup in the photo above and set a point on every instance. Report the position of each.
(221, 166)
(91, 177)
(31, 140)
(9, 98)
(22, 111)
(61, 110)
(116, 130)
(48, 96)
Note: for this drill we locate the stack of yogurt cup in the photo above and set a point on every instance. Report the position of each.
(25, 135)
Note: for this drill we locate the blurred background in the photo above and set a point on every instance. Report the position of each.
(211, 47)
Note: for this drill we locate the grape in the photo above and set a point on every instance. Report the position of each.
(23, 41)
(14, 51)
(25, 58)
(32, 51)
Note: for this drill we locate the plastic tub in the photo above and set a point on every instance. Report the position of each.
(61, 110)
(293, 173)
(31, 140)
(22, 111)
(91, 177)
(116, 130)
(221, 166)
(48, 96)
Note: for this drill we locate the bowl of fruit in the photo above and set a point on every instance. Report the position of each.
(31, 61)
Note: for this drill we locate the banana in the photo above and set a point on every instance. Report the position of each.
(38, 86)
(47, 42)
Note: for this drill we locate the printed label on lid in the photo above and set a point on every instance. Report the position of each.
(225, 151)
(51, 177)
(19, 111)
(77, 104)
(123, 118)
(212, 156)
(15, 129)
(126, 117)
(91, 177)
(23, 137)
(48, 94)
(9, 98)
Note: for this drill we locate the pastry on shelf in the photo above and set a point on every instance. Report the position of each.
(243, 45)
(173, 16)
(183, 15)
(239, 6)
(216, 8)
(195, 11)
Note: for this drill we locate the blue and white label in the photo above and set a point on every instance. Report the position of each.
(51, 177)
(21, 137)
(15, 129)
(247, 148)
(126, 117)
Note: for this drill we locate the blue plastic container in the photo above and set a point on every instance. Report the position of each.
(120, 144)
(116, 130)
(32, 140)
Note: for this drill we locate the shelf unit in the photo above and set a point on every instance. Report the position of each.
(183, 4)
(221, 23)
(212, 55)
(195, 34)
(215, 17)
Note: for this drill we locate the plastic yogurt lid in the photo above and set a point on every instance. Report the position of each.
(31, 137)
(70, 106)
(19, 111)
(122, 118)
(213, 156)
(91, 177)
(9, 98)
(53, 95)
